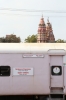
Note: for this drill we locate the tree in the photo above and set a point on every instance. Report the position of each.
(10, 39)
(2, 40)
(60, 41)
(31, 39)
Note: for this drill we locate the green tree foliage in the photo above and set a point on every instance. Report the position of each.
(31, 39)
(10, 39)
(60, 41)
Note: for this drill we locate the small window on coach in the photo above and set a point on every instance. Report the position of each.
(56, 70)
(4, 70)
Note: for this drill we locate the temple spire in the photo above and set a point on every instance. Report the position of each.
(42, 14)
(45, 32)
(48, 20)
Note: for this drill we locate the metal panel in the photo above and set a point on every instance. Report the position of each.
(56, 52)
(30, 47)
(22, 71)
(64, 63)
(56, 80)
(38, 83)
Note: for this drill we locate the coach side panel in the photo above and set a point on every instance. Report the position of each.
(64, 65)
(37, 83)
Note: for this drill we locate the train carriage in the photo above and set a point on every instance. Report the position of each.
(34, 69)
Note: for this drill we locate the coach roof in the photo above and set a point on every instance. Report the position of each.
(30, 47)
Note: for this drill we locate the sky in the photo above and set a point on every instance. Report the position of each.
(24, 24)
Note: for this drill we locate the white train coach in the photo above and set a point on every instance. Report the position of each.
(33, 70)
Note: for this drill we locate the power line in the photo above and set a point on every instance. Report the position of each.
(25, 15)
(34, 10)
(27, 10)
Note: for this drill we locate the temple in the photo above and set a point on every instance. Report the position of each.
(45, 32)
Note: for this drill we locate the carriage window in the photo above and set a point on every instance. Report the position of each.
(56, 70)
(4, 70)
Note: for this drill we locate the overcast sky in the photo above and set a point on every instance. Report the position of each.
(24, 24)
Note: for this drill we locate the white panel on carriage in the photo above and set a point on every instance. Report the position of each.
(22, 71)
(56, 79)
(64, 63)
(32, 55)
(30, 47)
(56, 52)
(20, 84)
(64, 59)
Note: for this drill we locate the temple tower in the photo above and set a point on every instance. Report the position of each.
(45, 32)
(49, 31)
(41, 37)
